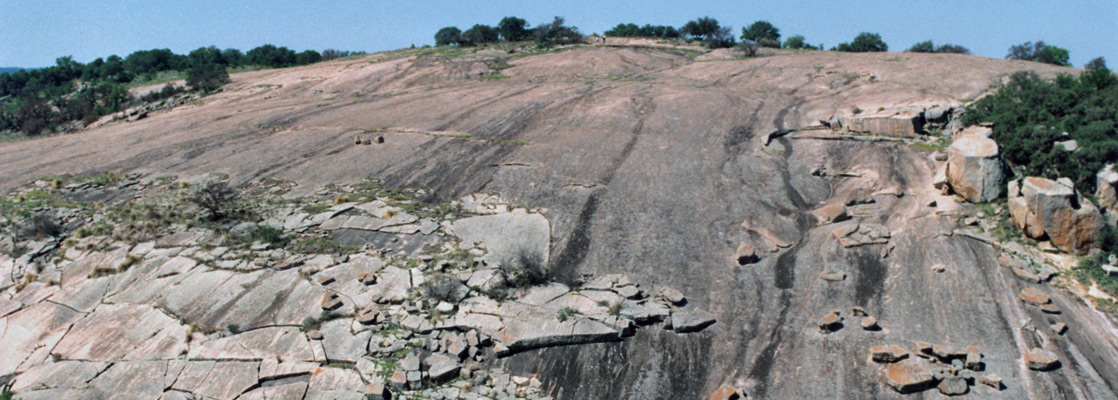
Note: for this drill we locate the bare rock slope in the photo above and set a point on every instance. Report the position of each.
(659, 167)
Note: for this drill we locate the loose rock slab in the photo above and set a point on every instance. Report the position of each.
(909, 376)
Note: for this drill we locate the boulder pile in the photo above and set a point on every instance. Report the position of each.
(949, 370)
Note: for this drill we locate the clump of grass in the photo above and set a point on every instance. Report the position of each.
(566, 313)
(311, 323)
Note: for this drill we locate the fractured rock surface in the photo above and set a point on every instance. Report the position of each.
(1054, 210)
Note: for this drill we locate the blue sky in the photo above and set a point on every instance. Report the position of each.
(34, 32)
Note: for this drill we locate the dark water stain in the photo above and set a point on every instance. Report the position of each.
(763, 365)
(871, 274)
(566, 264)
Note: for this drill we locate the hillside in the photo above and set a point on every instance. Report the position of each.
(656, 164)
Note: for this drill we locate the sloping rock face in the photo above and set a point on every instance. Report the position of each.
(1054, 210)
(1107, 192)
(653, 178)
(974, 167)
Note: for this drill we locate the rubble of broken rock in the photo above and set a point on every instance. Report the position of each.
(119, 286)
(947, 369)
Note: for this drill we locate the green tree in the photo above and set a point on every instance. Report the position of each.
(480, 34)
(763, 33)
(448, 36)
(1096, 63)
(513, 29)
(704, 28)
(863, 43)
(307, 57)
(207, 77)
(1030, 114)
(232, 57)
(556, 32)
(952, 48)
(797, 42)
(623, 30)
(1053, 55)
(206, 55)
(270, 56)
(1039, 52)
(923, 47)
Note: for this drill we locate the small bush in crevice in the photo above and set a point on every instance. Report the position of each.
(525, 269)
(442, 287)
(272, 236)
(215, 197)
(311, 323)
(566, 313)
(41, 225)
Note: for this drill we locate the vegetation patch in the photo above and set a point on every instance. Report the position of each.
(1030, 115)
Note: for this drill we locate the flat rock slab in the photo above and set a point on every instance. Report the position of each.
(909, 376)
(124, 331)
(1041, 360)
(286, 343)
(507, 236)
(1033, 296)
(888, 353)
(692, 320)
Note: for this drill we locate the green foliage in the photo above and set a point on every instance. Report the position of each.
(169, 90)
(41, 226)
(442, 287)
(797, 42)
(929, 47)
(6, 395)
(556, 33)
(207, 77)
(648, 30)
(215, 197)
(1096, 63)
(1090, 270)
(525, 269)
(448, 36)
(272, 236)
(1039, 52)
(566, 313)
(923, 47)
(513, 29)
(45, 99)
(710, 32)
(1108, 239)
(307, 57)
(1030, 114)
(233, 328)
(479, 34)
(863, 43)
(702, 28)
(763, 33)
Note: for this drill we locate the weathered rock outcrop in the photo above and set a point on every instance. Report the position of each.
(974, 167)
(893, 123)
(1107, 192)
(1044, 208)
